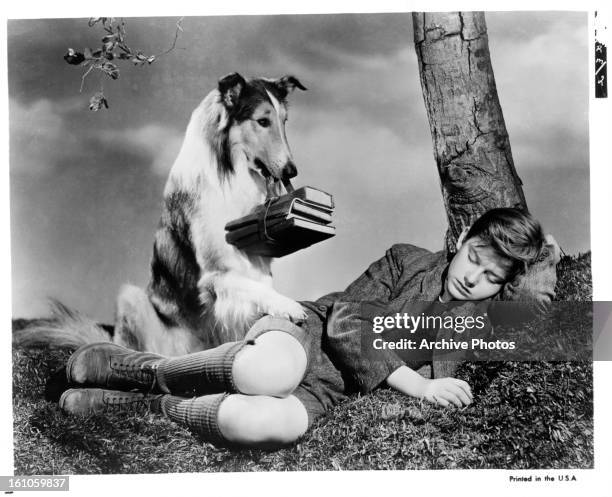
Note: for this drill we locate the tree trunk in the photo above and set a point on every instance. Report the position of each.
(471, 144)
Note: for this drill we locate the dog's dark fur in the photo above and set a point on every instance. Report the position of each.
(202, 290)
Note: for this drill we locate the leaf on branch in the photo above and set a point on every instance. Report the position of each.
(139, 59)
(73, 57)
(97, 102)
(113, 41)
(110, 69)
(94, 20)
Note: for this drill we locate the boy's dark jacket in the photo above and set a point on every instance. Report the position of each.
(407, 274)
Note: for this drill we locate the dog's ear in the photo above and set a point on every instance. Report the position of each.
(230, 87)
(289, 83)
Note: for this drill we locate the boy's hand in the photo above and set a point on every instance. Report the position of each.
(447, 391)
(443, 391)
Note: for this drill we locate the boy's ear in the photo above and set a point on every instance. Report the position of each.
(461, 238)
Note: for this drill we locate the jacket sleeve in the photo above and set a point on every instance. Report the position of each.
(349, 342)
(380, 279)
(349, 321)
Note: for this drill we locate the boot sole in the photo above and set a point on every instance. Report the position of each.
(62, 398)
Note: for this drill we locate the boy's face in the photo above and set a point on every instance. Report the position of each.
(475, 273)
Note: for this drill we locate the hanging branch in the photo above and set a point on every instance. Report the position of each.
(114, 48)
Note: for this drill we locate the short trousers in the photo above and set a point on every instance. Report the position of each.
(322, 386)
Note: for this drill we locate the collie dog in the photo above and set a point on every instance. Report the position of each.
(203, 291)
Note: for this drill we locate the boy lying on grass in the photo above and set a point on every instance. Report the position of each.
(270, 387)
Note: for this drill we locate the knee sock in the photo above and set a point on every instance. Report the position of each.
(198, 414)
(201, 373)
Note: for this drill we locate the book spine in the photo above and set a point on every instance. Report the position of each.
(314, 196)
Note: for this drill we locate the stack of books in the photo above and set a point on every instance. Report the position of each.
(285, 224)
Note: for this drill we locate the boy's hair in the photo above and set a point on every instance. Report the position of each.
(513, 234)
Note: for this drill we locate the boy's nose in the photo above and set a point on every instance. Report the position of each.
(471, 279)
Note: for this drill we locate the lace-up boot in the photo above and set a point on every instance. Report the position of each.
(112, 366)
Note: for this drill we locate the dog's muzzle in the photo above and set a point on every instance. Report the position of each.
(289, 171)
(263, 169)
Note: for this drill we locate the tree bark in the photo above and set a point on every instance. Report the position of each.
(471, 144)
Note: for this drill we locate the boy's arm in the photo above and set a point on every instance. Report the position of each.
(348, 341)
(443, 391)
(352, 344)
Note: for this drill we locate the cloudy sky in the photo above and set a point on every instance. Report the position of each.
(86, 187)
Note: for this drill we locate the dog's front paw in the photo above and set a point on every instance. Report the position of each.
(286, 308)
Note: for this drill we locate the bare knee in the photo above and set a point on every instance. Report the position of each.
(274, 366)
(262, 420)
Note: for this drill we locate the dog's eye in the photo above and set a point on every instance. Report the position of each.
(264, 122)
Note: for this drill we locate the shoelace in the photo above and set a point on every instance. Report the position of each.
(126, 402)
(141, 373)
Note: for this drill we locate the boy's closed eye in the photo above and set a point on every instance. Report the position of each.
(495, 279)
(473, 256)
(492, 277)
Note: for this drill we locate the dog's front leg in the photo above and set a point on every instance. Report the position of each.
(242, 295)
(239, 300)
(275, 304)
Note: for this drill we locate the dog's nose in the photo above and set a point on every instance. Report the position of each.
(289, 171)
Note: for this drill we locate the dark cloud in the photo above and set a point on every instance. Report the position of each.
(209, 47)
(522, 27)
(81, 231)
(330, 41)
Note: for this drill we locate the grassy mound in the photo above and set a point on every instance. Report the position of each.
(525, 415)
